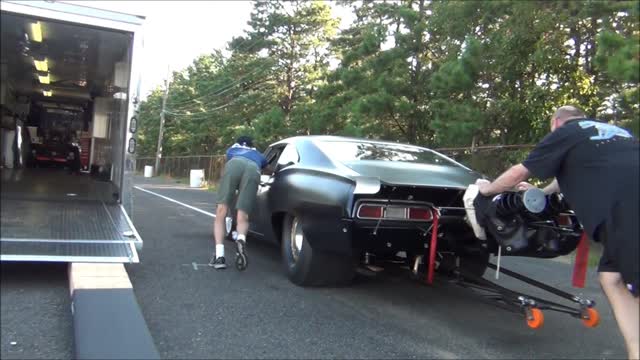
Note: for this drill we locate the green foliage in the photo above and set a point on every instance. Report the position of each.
(616, 56)
(434, 73)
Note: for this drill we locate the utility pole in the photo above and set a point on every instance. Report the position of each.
(160, 133)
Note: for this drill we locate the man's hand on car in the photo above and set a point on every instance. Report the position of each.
(482, 184)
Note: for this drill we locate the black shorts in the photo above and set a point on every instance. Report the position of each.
(620, 253)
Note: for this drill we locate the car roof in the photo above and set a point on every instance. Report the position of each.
(313, 138)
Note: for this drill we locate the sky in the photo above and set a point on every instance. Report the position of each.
(176, 32)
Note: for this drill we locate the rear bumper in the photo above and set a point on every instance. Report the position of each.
(393, 236)
(326, 232)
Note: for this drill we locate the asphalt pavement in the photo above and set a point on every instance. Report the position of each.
(194, 311)
(35, 311)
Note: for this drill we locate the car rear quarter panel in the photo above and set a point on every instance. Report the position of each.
(322, 200)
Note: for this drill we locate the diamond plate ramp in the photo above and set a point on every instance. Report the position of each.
(67, 231)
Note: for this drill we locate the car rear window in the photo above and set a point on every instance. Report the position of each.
(345, 151)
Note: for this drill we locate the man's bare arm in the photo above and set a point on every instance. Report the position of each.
(505, 182)
(554, 187)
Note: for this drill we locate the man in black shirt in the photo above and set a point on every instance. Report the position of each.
(597, 166)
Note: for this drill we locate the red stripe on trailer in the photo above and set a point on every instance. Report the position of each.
(581, 262)
(432, 247)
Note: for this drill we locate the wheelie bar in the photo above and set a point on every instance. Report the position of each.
(531, 306)
(574, 298)
(528, 305)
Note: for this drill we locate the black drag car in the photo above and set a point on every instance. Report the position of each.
(337, 204)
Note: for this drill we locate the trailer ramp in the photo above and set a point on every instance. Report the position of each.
(66, 231)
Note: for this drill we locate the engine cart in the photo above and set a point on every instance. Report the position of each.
(507, 221)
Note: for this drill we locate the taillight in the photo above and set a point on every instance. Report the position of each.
(394, 212)
(420, 214)
(370, 211)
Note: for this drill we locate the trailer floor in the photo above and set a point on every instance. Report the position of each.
(53, 184)
(49, 215)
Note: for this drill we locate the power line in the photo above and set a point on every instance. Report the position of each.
(213, 101)
(233, 94)
(192, 109)
(251, 45)
(203, 115)
(203, 112)
(222, 89)
(203, 107)
(209, 111)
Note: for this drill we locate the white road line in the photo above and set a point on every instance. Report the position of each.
(187, 206)
(176, 201)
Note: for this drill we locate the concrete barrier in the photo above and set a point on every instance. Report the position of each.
(107, 320)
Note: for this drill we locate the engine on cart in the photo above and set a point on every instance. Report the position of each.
(525, 223)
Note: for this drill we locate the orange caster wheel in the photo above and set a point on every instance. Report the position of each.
(590, 317)
(535, 318)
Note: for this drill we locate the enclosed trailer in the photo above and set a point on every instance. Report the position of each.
(70, 89)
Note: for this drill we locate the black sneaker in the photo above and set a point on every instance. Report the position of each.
(218, 263)
(241, 246)
(241, 255)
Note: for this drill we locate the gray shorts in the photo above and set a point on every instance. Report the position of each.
(241, 175)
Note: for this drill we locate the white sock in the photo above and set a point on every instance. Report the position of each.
(242, 237)
(219, 251)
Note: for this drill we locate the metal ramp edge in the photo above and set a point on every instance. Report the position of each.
(98, 251)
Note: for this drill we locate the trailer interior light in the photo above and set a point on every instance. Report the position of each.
(44, 79)
(41, 65)
(36, 32)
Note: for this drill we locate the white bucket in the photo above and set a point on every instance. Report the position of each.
(196, 178)
(148, 171)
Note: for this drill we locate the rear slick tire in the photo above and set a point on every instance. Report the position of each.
(306, 266)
